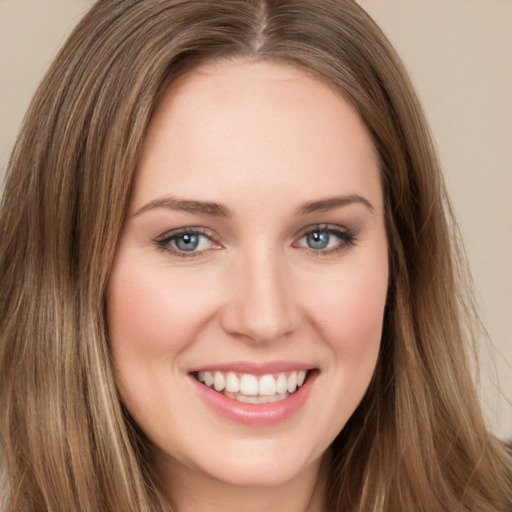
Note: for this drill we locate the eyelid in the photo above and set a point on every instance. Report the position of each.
(163, 242)
(347, 236)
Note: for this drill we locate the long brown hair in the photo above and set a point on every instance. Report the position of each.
(416, 442)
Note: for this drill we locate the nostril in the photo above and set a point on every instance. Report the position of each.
(257, 326)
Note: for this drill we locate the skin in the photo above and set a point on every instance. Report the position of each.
(263, 140)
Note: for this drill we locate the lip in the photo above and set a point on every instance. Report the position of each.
(254, 368)
(255, 414)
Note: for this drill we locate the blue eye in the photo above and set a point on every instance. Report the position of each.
(318, 239)
(186, 242)
(326, 239)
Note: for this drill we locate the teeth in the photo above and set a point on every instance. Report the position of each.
(256, 399)
(232, 383)
(250, 388)
(219, 382)
(292, 382)
(282, 383)
(267, 385)
(208, 379)
(249, 385)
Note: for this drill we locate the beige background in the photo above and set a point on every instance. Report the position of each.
(459, 53)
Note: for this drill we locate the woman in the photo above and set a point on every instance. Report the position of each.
(230, 275)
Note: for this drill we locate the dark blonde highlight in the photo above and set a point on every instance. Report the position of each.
(416, 442)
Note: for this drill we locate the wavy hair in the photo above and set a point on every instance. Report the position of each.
(416, 442)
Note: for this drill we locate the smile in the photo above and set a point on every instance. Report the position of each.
(253, 389)
(255, 394)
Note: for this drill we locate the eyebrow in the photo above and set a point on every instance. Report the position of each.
(220, 210)
(187, 205)
(331, 203)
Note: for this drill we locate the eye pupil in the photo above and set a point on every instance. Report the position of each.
(318, 239)
(187, 242)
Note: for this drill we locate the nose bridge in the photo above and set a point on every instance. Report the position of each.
(261, 305)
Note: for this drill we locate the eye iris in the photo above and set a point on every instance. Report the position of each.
(318, 239)
(187, 242)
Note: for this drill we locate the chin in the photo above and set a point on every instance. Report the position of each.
(264, 472)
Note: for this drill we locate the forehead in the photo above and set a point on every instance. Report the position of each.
(229, 125)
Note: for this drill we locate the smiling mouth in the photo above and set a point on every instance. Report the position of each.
(253, 389)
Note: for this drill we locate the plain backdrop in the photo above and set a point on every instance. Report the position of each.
(459, 54)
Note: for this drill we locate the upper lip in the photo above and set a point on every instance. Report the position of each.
(260, 368)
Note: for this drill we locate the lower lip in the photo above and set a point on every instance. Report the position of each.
(256, 414)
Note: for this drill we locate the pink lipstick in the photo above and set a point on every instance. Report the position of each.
(254, 394)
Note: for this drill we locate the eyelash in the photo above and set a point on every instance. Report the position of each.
(164, 242)
(347, 239)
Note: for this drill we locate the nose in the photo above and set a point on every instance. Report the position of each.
(261, 305)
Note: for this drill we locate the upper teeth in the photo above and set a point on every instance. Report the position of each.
(253, 385)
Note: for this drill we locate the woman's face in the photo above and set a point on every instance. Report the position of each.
(246, 300)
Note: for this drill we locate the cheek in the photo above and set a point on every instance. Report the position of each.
(153, 316)
(350, 311)
(349, 317)
(152, 312)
